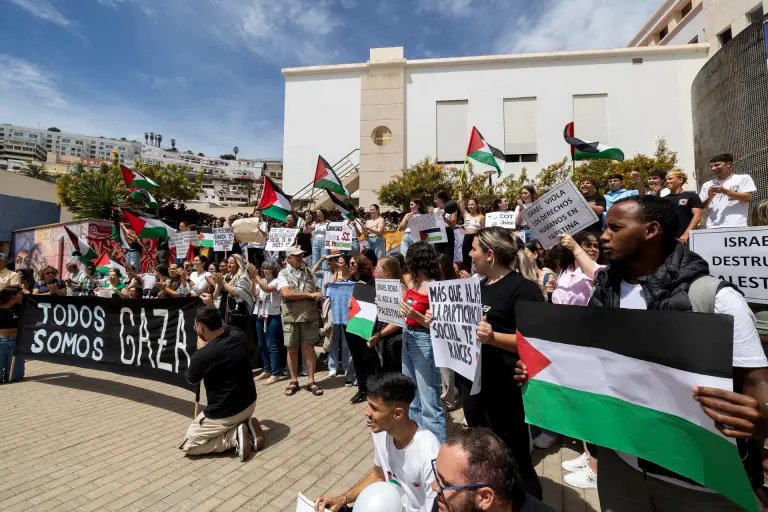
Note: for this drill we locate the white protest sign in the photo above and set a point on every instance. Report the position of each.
(736, 255)
(389, 293)
(281, 239)
(338, 236)
(503, 219)
(181, 240)
(456, 312)
(561, 210)
(422, 222)
(223, 238)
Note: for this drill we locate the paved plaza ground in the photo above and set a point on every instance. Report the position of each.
(79, 439)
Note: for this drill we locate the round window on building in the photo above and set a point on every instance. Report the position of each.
(381, 136)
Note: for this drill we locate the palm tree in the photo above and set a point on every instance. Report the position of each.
(146, 138)
(235, 151)
(173, 144)
(96, 196)
(36, 171)
(159, 139)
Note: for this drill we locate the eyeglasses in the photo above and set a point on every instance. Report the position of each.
(51, 272)
(352, 263)
(443, 488)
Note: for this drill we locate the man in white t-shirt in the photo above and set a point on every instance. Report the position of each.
(727, 196)
(654, 271)
(403, 451)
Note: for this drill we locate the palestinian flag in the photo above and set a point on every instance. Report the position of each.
(347, 210)
(362, 315)
(274, 202)
(482, 152)
(117, 233)
(206, 240)
(581, 150)
(326, 178)
(142, 196)
(637, 396)
(134, 179)
(80, 248)
(105, 263)
(148, 227)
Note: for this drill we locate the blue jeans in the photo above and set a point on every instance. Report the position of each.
(269, 331)
(318, 249)
(377, 245)
(7, 348)
(338, 338)
(419, 365)
(405, 243)
(355, 247)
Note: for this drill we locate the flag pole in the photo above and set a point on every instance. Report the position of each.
(463, 178)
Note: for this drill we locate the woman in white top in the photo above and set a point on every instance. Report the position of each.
(527, 196)
(416, 207)
(374, 231)
(316, 225)
(269, 326)
(473, 220)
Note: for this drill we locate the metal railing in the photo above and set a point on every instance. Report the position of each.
(343, 168)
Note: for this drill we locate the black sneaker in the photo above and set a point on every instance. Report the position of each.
(349, 383)
(359, 398)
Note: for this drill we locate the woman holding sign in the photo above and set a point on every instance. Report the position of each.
(416, 207)
(527, 196)
(418, 355)
(499, 405)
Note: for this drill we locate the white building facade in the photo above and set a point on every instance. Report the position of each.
(400, 111)
(71, 144)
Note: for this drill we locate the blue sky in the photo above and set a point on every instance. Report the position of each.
(207, 72)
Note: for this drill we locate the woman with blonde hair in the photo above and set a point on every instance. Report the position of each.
(494, 254)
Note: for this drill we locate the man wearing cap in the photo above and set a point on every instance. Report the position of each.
(301, 318)
(7, 277)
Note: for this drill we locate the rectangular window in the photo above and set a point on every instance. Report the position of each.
(452, 131)
(725, 36)
(663, 33)
(520, 130)
(756, 16)
(686, 9)
(590, 117)
(65, 141)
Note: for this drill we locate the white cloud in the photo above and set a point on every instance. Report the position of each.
(44, 10)
(451, 8)
(113, 3)
(296, 31)
(30, 97)
(575, 25)
(160, 82)
(36, 83)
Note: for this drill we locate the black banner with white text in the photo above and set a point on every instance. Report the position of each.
(147, 338)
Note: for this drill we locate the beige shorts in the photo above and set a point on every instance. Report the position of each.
(296, 333)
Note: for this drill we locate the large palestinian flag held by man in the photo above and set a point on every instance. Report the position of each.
(148, 227)
(274, 202)
(326, 178)
(134, 179)
(362, 314)
(629, 385)
(347, 210)
(583, 150)
(86, 253)
(480, 151)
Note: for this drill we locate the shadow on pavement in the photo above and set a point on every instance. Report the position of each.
(570, 498)
(119, 389)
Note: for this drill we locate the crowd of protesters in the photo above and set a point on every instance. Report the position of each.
(287, 304)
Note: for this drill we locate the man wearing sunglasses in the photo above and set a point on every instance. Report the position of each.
(475, 471)
(403, 451)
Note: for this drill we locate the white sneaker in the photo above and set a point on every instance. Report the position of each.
(584, 479)
(577, 464)
(545, 440)
(331, 374)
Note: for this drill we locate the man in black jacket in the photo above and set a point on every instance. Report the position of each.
(650, 269)
(222, 362)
